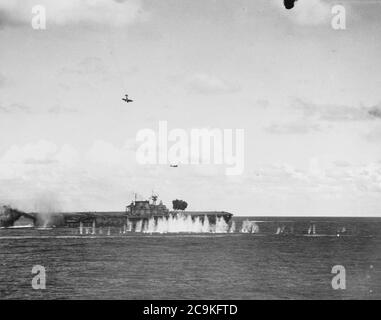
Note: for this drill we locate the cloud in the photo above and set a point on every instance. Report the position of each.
(374, 134)
(331, 112)
(209, 84)
(7, 18)
(41, 152)
(88, 71)
(375, 111)
(80, 178)
(338, 178)
(61, 110)
(293, 128)
(263, 103)
(312, 117)
(103, 176)
(15, 108)
(87, 66)
(3, 80)
(19, 108)
(310, 12)
(92, 12)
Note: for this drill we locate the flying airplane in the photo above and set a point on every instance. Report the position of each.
(126, 99)
(173, 165)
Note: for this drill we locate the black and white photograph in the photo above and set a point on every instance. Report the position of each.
(193, 150)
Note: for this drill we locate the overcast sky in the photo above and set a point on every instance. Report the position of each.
(308, 97)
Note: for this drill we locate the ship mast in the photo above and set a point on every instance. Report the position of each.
(154, 197)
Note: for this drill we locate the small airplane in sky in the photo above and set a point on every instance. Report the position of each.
(173, 165)
(126, 99)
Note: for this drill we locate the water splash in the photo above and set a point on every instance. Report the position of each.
(180, 224)
(281, 229)
(249, 227)
(232, 227)
(128, 226)
(221, 226)
(139, 226)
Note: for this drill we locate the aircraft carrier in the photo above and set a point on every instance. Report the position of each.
(138, 212)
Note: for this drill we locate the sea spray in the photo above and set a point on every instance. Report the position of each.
(151, 225)
(129, 226)
(232, 228)
(249, 227)
(206, 225)
(221, 226)
(181, 223)
(139, 225)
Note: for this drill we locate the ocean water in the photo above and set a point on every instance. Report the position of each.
(275, 258)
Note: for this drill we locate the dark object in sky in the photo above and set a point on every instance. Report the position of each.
(127, 100)
(289, 4)
(179, 204)
(174, 165)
